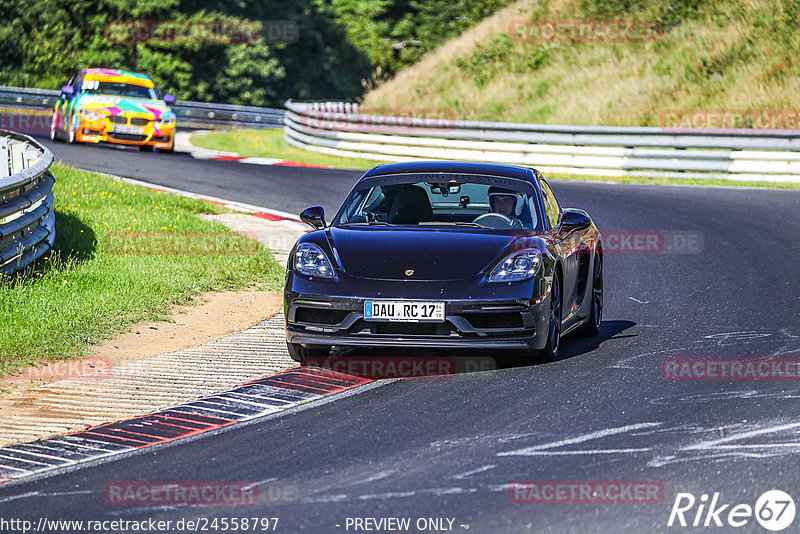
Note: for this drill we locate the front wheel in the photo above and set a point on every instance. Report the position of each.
(550, 350)
(71, 131)
(53, 130)
(302, 354)
(592, 326)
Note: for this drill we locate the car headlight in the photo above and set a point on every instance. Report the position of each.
(165, 122)
(90, 115)
(310, 260)
(517, 266)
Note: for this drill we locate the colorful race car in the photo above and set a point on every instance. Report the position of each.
(114, 106)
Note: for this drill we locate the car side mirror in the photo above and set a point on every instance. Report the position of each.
(67, 90)
(314, 216)
(574, 219)
(169, 99)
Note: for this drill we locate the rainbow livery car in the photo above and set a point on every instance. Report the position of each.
(114, 106)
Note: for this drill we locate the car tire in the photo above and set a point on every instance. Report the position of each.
(302, 354)
(592, 326)
(53, 131)
(71, 131)
(551, 348)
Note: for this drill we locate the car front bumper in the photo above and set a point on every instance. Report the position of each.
(102, 131)
(508, 321)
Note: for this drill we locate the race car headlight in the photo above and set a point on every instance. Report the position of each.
(165, 122)
(310, 260)
(517, 266)
(90, 115)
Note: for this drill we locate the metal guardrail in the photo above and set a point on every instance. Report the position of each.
(189, 114)
(340, 129)
(27, 220)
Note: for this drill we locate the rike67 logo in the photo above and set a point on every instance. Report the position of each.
(774, 510)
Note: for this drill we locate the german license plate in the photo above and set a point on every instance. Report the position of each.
(403, 310)
(128, 129)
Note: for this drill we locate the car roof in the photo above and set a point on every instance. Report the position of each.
(458, 167)
(117, 75)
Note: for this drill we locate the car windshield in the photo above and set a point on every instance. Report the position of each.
(119, 89)
(442, 200)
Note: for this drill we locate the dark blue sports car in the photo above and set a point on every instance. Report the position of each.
(444, 255)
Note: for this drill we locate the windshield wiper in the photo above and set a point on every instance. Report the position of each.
(453, 223)
(370, 223)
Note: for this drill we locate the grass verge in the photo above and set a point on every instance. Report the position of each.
(86, 290)
(269, 143)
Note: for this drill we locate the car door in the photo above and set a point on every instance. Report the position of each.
(568, 244)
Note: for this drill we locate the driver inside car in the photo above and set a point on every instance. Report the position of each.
(506, 203)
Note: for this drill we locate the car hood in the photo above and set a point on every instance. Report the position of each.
(120, 105)
(380, 253)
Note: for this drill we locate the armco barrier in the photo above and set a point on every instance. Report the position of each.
(189, 114)
(27, 221)
(339, 129)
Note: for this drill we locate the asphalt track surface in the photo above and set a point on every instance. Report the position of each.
(289, 189)
(450, 447)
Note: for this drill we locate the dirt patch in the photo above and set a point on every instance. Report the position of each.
(217, 315)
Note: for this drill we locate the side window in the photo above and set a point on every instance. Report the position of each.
(71, 81)
(79, 82)
(551, 208)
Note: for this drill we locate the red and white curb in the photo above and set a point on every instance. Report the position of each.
(255, 399)
(184, 144)
(285, 218)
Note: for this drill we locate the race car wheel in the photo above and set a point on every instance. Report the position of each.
(53, 130)
(592, 326)
(301, 354)
(71, 130)
(550, 351)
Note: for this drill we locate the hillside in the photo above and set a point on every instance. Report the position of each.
(723, 55)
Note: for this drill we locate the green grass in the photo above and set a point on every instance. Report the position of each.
(269, 143)
(83, 291)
